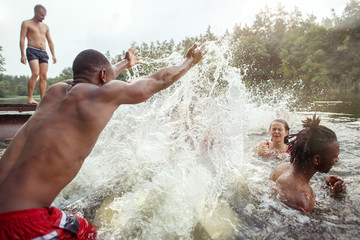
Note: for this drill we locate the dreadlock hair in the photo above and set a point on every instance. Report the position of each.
(88, 62)
(287, 128)
(311, 140)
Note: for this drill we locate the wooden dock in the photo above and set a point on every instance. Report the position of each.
(12, 117)
(17, 107)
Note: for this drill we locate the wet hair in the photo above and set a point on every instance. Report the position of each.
(39, 7)
(311, 140)
(287, 128)
(88, 62)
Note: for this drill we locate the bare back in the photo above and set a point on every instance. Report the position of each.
(37, 165)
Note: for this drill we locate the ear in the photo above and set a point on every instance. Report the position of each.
(316, 159)
(102, 77)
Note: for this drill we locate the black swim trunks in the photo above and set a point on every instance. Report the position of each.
(36, 53)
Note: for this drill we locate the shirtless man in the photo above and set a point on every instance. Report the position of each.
(49, 150)
(36, 33)
(315, 149)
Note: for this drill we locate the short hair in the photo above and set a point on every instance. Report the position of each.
(287, 128)
(38, 7)
(89, 61)
(311, 140)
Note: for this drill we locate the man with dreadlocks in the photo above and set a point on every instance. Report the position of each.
(314, 149)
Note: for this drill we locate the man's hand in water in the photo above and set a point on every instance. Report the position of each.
(336, 184)
(132, 58)
(196, 54)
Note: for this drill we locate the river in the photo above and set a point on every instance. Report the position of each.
(182, 165)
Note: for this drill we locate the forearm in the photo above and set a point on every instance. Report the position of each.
(167, 76)
(143, 88)
(22, 47)
(52, 49)
(120, 66)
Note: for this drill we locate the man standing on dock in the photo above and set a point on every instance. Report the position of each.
(36, 33)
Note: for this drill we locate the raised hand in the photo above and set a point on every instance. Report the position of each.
(196, 54)
(132, 58)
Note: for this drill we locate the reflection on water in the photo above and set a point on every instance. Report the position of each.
(181, 166)
(338, 103)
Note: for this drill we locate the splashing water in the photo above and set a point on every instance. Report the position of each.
(181, 165)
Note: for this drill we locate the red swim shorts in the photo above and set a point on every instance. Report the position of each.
(44, 224)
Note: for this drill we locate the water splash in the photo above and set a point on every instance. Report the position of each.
(181, 165)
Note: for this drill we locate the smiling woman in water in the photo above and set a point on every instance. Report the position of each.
(277, 147)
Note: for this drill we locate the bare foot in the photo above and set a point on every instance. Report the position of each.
(32, 101)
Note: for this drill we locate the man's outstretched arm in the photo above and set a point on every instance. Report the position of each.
(149, 85)
(142, 89)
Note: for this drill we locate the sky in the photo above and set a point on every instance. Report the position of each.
(113, 25)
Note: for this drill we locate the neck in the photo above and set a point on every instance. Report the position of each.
(74, 82)
(79, 80)
(279, 145)
(35, 20)
(306, 172)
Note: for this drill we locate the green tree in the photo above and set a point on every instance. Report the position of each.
(4, 88)
(2, 61)
(257, 48)
(304, 56)
(344, 61)
(66, 73)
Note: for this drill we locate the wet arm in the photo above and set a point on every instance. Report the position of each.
(167, 76)
(142, 89)
(130, 60)
(121, 66)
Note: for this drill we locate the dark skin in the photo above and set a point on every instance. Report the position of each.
(49, 150)
(292, 182)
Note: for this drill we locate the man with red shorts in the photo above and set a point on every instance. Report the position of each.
(45, 224)
(49, 150)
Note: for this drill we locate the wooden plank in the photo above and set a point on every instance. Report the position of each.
(10, 124)
(18, 107)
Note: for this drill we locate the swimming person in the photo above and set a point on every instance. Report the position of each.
(37, 33)
(278, 147)
(314, 149)
(48, 151)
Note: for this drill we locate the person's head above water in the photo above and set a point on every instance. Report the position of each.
(91, 63)
(279, 129)
(315, 143)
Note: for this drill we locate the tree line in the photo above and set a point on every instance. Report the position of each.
(280, 49)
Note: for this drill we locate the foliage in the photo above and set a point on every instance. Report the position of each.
(278, 50)
(2, 61)
(289, 49)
